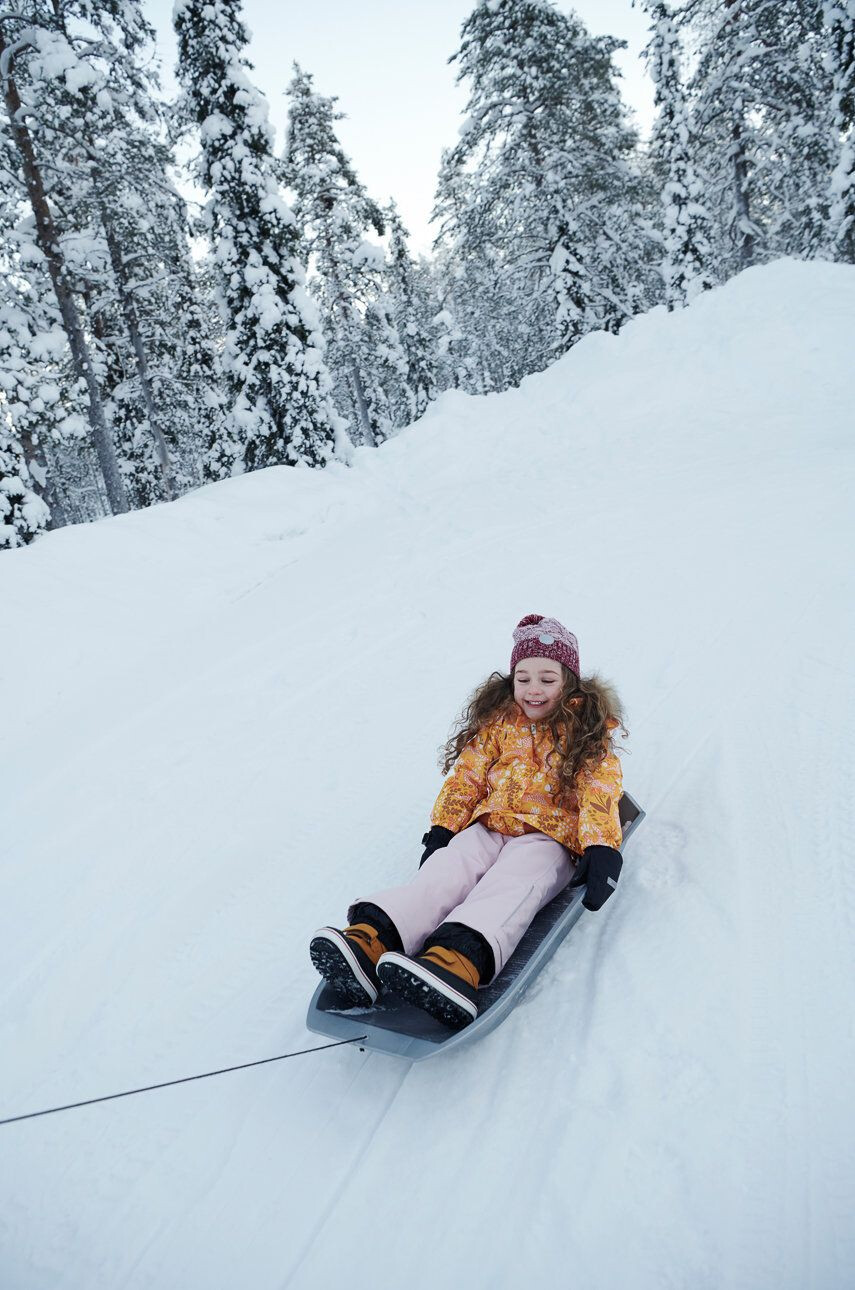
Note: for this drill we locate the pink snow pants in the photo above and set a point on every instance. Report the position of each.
(489, 882)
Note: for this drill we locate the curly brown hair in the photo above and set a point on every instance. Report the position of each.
(583, 725)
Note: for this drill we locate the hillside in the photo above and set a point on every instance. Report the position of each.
(222, 718)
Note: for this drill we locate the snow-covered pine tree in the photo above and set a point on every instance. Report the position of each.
(121, 231)
(494, 351)
(839, 16)
(30, 393)
(335, 214)
(44, 406)
(273, 360)
(126, 202)
(23, 514)
(167, 397)
(765, 138)
(127, 272)
(193, 388)
(540, 191)
(456, 365)
(687, 253)
(34, 53)
(796, 96)
(410, 302)
(729, 138)
(29, 404)
(385, 381)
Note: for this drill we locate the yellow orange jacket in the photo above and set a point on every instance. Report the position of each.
(503, 778)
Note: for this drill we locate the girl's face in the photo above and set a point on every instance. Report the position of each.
(537, 687)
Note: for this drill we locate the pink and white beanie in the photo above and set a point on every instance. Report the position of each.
(539, 637)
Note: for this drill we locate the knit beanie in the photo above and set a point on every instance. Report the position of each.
(539, 637)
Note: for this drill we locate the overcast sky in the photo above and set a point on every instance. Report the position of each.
(387, 60)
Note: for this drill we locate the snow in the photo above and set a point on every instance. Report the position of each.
(79, 76)
(369, 255)
(215, 127)
(49, 344)
(226, 713)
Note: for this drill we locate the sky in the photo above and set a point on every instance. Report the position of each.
(388, 64)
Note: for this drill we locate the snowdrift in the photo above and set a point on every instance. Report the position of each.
(222, 719)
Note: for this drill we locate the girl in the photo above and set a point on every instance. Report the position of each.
(531, 803)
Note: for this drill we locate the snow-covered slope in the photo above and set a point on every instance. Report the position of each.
(221, 720)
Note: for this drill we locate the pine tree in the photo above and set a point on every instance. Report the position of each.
(135, 232)
(839, 17)
(38, 55)
(120, 232)
(336, 213)
(539, 194)
(273, 359)
(193, 388)
(37, 390)
(408, 289)
(23, 514)
(686, 263)
(384, 382)
(30, 403)
(796, 94)
(765, 137)
(729, 139)
(456, 363)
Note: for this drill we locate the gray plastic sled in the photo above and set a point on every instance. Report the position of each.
(392, 1026)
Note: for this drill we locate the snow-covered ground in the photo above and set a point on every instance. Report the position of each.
(221, 720)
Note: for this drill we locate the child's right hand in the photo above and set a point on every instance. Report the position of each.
(435, 838)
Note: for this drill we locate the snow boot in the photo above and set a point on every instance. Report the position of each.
(348, 962)
(440, 981)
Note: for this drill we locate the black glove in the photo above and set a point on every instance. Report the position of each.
(435, 838)
(600, 870)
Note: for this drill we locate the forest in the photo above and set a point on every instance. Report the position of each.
(150, 343)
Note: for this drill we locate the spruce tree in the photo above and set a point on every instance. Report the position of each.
(687, 253)
(23, 514)
(336, 214)
(194, 389)
(273, 361)
(796, 94)
(37, 390)
(729, 137)
(32, 402)
(765, 138)
(456, 362)
(410, 302)
(36, 56)
(539, 197)
(119, 230)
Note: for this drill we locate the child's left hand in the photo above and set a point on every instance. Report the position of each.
(602, 866)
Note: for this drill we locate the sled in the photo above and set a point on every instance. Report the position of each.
(394, 1027)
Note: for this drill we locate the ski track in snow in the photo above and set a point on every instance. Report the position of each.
(233, 707)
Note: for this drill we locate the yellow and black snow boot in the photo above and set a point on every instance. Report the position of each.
(440, 981)
(347, 961)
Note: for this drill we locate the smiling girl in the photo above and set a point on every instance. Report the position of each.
(530, 804)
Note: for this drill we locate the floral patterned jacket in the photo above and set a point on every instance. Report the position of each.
(503, 778)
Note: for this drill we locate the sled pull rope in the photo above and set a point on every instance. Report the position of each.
(188, 1079)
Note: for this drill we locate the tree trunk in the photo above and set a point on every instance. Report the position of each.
(132, 322)
(745, 240)
(362, 406)
(48, 242)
